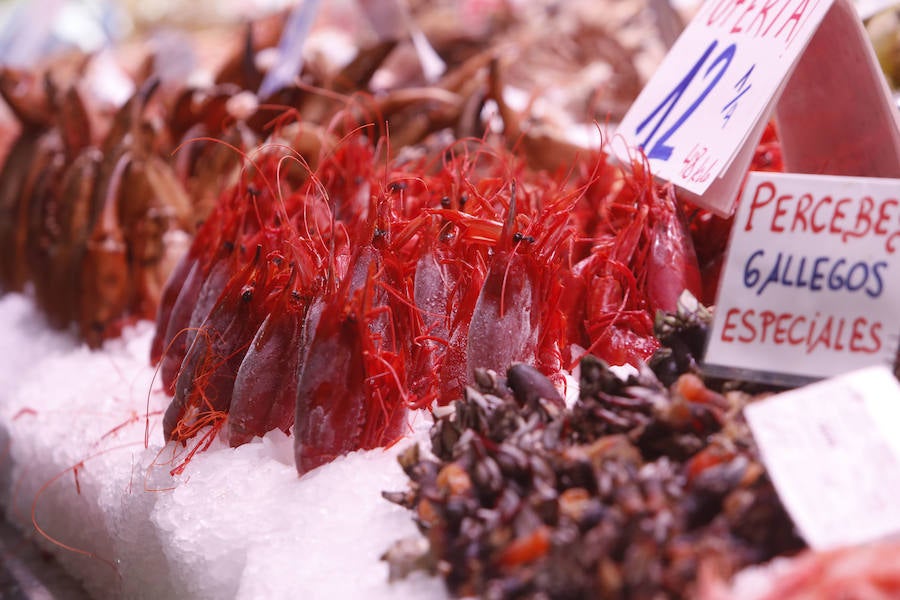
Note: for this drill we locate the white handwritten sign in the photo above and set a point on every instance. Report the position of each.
(718, 79)
(808, 62)
(832, 450)
(811, 281)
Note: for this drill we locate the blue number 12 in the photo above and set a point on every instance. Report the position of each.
(660, 150)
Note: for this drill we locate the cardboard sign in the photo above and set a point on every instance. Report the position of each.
(811, 282)
(700, 117)
(832, 450)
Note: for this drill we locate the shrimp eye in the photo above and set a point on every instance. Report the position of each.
(445, 202)
(448, 233)
(517, 237)
(462, 199)
(378, 233)
(397, 186)
(247, 295)
(529, 239)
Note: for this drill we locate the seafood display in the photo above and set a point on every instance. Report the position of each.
(373, 267)
(385, 283)
(639, 490)
(98, 239)
(425, 224)
(91, 214)
(370, 250)
(377, 284)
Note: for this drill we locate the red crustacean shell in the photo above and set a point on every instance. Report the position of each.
(404, 281)
(672, 263)
(205, 382)
(351, 390)
(263, 397)
(504, 326)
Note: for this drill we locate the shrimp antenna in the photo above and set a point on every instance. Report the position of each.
(509, 225)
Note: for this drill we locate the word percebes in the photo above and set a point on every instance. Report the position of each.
(845, 218)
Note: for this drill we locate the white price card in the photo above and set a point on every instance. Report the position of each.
(807, 62)
(832, 450)
(718, 80)
(811, 281)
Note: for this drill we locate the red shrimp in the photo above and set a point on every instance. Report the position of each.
(169, 343)
(401, 244)
(178, 333)
(461, 272)
(626, 338)
(215, 279)
(510, 311)
(354, 388)
(672, 263)
(608, 317)
(503, 327)
(265, 388)
(205, 382)
(608, 311)
(551, 237)
(641, 262)
(215, 256)
(351, 394)
(452, 374)
(432, 281)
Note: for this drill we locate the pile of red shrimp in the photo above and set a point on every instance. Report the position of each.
(332, 301)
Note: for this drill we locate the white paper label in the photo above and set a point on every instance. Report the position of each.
(811, 282)
(832, 450)
(718, 81)
(869, 8)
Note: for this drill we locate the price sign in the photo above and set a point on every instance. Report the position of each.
(807, 61)
(832, 450)
(811, 280)
(716, 84)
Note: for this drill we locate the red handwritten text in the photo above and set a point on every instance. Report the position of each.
(772, 19)
(846, 218)
(826, 332)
